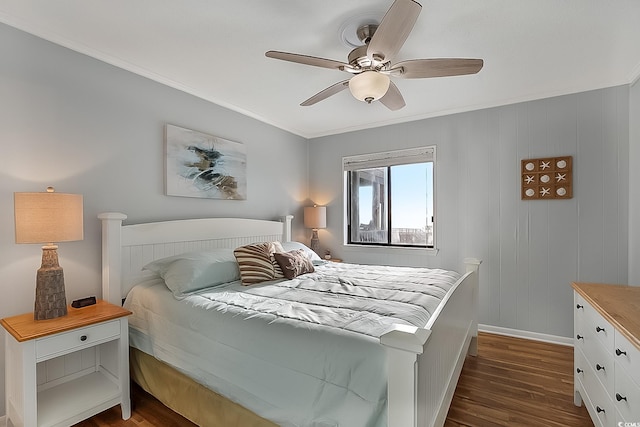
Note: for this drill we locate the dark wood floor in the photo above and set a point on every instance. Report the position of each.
(512, 382)
(516, 382)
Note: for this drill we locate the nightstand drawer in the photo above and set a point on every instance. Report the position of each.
(77, 339)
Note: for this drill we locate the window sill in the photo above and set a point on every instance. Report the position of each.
(390, 249)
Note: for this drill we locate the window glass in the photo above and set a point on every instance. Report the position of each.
(391, 203)
(369, 205)
(412, 204)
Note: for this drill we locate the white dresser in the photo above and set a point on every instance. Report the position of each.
(607, 352)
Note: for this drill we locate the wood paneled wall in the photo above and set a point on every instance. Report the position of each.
(531, 250)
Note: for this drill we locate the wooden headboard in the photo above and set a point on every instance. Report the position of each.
(127, 248)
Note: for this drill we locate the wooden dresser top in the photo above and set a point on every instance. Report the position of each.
(618, 304)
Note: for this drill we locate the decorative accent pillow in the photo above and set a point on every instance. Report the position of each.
(291, 246)
(192, 271)
(255, 263)
(273, 248)
(294, 263)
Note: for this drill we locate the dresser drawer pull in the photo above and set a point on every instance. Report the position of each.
(83, 338)
(578, 306)
(620, 352)
(619, 397)
(579, 337)
(599, 409)
(599, 367)
(599, 329)
(578, 370)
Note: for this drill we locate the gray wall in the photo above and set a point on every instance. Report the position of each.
(85, 127)
(634, 187)
(531, 250)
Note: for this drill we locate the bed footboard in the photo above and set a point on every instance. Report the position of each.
(424, 364)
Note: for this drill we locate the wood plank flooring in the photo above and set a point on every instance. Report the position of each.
(512, 382)
(516, 382)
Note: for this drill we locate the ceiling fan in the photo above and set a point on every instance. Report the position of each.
(371, 64)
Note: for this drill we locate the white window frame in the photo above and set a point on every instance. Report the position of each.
(386, 159)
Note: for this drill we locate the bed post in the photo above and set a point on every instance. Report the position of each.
(286, 232)
(111, 256)
(404, 343)
(473, 265)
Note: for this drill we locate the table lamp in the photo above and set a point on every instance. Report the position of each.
(48, 218)
(315, 217)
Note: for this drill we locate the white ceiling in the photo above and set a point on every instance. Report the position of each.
(215, 49)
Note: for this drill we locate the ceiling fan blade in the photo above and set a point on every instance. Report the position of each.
(393, 99)
(324, 94)
(423, 68)
(393, 30)
(308, 60)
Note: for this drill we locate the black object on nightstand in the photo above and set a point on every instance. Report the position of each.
(83, 302)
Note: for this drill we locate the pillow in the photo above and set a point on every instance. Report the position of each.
(294, 263)
(254, 262)
(291, 246)
(192, 271)
(277, 270)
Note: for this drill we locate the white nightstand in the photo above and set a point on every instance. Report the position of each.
(64, 370)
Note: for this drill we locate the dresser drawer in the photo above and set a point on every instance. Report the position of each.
(579, 322)
(628, 357)
(600, 361)
(626, 397)
(580, 366)
(599, 327)
(602, 410)
(77, 339)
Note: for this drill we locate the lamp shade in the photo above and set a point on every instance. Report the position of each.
(315, 217)
(48, 217)
(369, 86)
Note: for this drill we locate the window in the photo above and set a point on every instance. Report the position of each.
(390, 198)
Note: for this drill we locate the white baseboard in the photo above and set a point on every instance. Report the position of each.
(536, 336)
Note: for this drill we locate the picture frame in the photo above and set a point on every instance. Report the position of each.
(546, 178)
(204, 166)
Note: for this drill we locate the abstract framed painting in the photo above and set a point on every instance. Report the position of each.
(204, 166)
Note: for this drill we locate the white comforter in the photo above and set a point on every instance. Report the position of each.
(302, 352)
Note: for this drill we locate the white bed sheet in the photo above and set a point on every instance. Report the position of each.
(302, 352)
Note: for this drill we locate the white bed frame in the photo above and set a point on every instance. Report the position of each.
(424, 364)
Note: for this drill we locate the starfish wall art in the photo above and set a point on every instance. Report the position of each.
(547, 178)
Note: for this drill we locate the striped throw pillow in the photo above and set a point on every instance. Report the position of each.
(254, 262)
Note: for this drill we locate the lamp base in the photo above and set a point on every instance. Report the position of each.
(315, 242)
(51, 301)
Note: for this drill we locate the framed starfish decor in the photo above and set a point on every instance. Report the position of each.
(547, 178)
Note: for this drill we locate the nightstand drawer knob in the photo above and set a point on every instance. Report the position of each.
(83, 338)
(579, 337)
(620, 352)
(599, 409)
(599, 367)
(620, 397)
(578, 306)
(599, 329)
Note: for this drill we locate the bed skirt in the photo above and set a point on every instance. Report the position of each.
(187, 397)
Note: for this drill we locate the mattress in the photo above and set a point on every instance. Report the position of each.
(301, 352)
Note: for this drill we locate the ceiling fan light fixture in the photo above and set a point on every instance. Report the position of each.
(369, 86)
